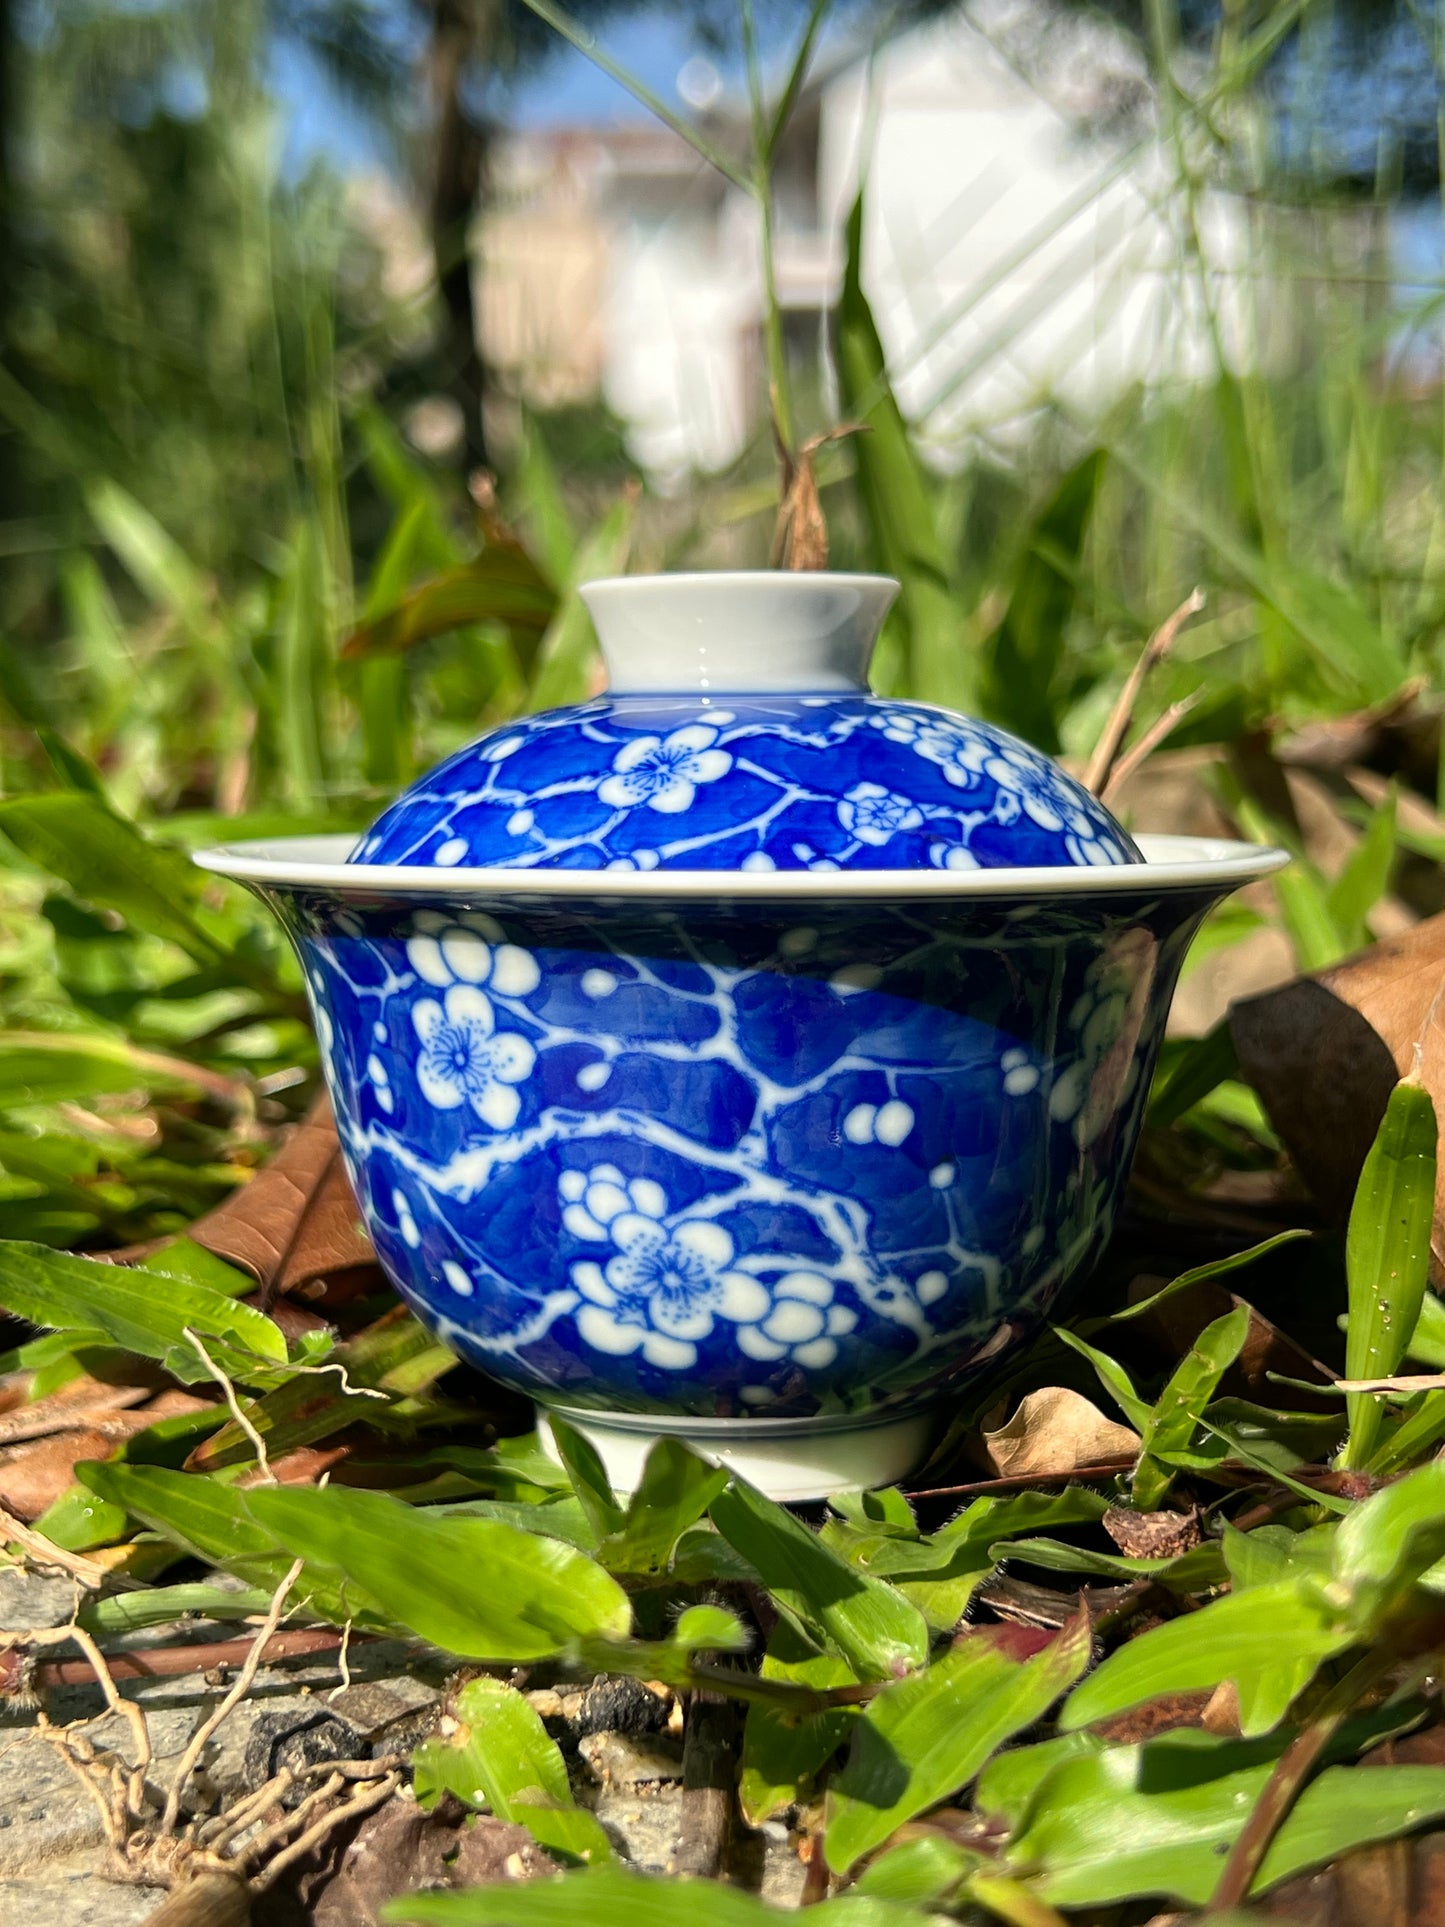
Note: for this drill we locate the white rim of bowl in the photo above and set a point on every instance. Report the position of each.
(319, 863)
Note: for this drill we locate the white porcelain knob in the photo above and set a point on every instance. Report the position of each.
(746, 632)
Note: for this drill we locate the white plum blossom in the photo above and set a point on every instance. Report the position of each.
(665, 1283)
(465, 1059)
(1028, 784)
(874, 814)
(469, 949)
(804, 1324)
(664, 771)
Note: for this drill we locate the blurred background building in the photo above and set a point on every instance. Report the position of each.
(1019, 241)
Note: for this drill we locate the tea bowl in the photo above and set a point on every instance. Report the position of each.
(772, 1155)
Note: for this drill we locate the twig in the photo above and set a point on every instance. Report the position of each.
(165, 1662)
(709, 1781)
(237, 1693)
(343, 1662)
(281, 1830)
(1106, 751)
(1026, 1481)
(1285, 1783)
(1139, 753)
(349, 1810)
(124, 1709)
(219, 1831)
(258, 1444)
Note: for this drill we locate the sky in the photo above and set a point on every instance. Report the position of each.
(565, 90)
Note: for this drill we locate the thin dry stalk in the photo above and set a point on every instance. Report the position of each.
(343, 1662)
(258, 1444)
(124, 1709)
(282, 1829)
(217, 1833)
(237, 1693)
(1139, 753)
(1106, 751)
(83, 1763)
(351, 1809)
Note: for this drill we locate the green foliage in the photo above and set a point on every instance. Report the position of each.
(925, 1738)
(611, 1898)
(1387, 1254)
(500, 1759)
(422, 1569)
(863, 1620)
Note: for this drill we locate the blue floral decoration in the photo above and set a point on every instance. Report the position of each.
(730, 1158)
(850, 782)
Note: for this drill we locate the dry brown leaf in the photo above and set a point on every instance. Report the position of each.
(400, 1850)
(78, 1404)
(800, 533)
(32, 1477)
(1324, 1052)
(296, 1223)
(1056, 1430)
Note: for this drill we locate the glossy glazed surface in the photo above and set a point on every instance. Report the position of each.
(744, 1158)
(784, 782)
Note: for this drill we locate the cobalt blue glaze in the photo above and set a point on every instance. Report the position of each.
(751, 1157)
(784, 782)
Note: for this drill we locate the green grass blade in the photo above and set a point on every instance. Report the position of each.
(1387, 1255)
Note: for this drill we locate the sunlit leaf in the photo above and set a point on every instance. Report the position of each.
(864, 1620)
(1387, 1255)
(925, 1738)
(474, 1586)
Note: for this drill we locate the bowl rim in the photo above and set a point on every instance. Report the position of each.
(1171, 863)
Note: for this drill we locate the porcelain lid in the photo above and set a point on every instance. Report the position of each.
(738, 734)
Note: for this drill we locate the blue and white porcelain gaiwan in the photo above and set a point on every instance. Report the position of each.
(740, 1055)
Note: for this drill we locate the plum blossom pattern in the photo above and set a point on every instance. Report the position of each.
(803, 1325)
(1026, 783)
(771, 783)
(464, 1057)
(873, 814)
(738, 1159)
(664, 772)
(465, 1061)
(665, 1282)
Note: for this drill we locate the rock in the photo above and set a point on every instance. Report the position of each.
(389, 1716)
(617, 1759)
(45, 1813)
(33, 1600)
(76, 1895)
(294, 1738)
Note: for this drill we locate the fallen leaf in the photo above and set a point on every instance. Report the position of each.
(401, 1850)
(32, 1477)
(296, 1224)
(1324, 1052)
(1165, 1713)
(78, 1404)
(1151, 1535)
(1056, 1430)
